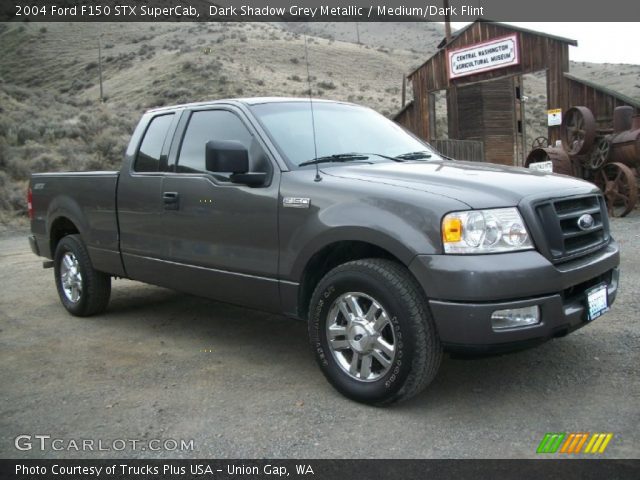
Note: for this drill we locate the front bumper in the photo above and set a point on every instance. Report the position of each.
(465, 290)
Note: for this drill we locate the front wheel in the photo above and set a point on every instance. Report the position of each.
(372, 332)
(83, 291)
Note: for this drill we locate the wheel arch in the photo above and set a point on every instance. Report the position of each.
(334, 254)
(64, 217)
(60, 227)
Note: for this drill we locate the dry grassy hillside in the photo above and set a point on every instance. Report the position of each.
(49, 92)
(422, 37)
(52, 119)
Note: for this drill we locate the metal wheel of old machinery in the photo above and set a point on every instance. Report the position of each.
(557, 156)
(540, 142)
(599, 155)
(578, 130)
(620, 188)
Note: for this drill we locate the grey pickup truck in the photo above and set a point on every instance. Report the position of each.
(330, 213)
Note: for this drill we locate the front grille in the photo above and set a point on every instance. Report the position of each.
(565, 238)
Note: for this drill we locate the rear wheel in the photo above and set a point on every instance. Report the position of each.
(83, 291)
(372, 333)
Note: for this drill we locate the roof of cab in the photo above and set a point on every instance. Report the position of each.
(246, 101)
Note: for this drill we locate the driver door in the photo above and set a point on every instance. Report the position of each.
(221, 238)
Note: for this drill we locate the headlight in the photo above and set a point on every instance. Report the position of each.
(485, 231)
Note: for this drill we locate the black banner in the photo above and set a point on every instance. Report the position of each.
(316, 10)
(321, 469)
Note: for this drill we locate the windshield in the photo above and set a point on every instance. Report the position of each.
(340, 129)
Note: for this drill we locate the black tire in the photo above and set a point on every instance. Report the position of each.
(95, 286)
(417, 347)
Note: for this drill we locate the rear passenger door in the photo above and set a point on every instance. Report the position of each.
(221, 238)
(140, 208)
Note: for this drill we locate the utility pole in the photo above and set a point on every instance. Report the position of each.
(452, 92)
(100, 68)
(523, 119)
(404, 90)
(358, 33)
(447, 21)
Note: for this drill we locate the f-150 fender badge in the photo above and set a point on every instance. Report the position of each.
(296, 202)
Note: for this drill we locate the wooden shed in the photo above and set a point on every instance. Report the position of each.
(601, 100)
(481, 67)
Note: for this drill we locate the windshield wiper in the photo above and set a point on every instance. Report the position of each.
(338, 157)
(395, 159)
(347, 157)
(414, 155)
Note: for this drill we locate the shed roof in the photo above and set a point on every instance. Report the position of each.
(455, 34)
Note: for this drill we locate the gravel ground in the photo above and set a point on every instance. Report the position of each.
(162, 365)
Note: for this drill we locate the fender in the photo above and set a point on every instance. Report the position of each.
(351, 234)
(63, 206)
(391, 229)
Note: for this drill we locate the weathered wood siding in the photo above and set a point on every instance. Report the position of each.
(599, 101)
(482, 106)
(407, 118)
(537, 52)
(461, 149)
(486, 114)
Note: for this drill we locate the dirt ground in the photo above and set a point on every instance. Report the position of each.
(162, 365)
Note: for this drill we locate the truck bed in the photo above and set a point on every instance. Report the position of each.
(88, 199)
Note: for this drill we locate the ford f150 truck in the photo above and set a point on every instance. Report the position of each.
(328, 212)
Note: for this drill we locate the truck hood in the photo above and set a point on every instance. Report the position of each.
(479, 185)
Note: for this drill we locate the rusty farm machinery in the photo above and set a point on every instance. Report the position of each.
(610, 157)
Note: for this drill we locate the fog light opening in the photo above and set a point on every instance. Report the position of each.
(515, 318)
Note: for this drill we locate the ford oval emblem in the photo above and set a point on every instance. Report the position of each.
(585, 222)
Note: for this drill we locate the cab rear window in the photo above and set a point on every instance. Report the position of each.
(148, 158)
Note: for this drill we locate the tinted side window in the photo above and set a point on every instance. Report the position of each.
(205, 126)
(148, 159)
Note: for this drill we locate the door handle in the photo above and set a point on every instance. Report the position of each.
(170, 200)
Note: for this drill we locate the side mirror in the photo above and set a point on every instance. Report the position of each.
(226, 156)
(252, 179)
(231, 156)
